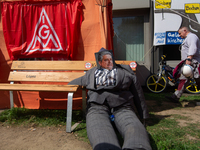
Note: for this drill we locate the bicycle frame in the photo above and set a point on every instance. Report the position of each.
(164, 72)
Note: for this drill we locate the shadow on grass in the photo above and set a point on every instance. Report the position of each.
(157, 102)
(155, 119)
(153, 143)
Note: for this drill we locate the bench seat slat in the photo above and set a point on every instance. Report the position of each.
(49, 65)
(44, 76)
(58, 65)
(39, 87)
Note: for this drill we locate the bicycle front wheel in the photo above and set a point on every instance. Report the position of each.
(155, 85)
(193, 88)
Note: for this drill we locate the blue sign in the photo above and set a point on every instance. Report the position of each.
(159, 38)
(172, 38)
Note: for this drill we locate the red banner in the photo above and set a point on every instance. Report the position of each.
(41, 29)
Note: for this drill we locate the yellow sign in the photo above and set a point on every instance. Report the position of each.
(162, 4)
(192, 8)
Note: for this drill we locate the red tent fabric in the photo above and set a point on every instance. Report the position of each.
(96, 29)
(41, 29)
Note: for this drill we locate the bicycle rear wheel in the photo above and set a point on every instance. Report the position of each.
(156, 86)
(193, 88)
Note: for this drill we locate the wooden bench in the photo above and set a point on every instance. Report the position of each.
(56, 72)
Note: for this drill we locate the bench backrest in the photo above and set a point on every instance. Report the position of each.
(53, 71)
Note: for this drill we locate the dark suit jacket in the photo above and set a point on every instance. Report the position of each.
(127, 89)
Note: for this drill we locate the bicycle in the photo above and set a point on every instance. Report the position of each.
(157, 83)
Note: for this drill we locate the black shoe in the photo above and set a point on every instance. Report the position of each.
(175, 100)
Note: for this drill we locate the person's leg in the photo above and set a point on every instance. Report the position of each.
(100, 130)
(133, 131)
(184, 82)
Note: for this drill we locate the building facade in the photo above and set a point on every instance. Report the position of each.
(144, 30)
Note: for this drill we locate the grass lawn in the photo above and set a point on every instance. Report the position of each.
(170, 126)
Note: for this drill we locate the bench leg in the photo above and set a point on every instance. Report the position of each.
(69, 112)
(11, 99)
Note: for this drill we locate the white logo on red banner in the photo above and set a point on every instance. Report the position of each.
(45, 37)
(88, 65)
(133, 65)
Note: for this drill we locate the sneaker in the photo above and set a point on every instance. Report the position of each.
(173, 99)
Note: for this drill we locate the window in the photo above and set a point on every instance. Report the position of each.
(128, 39)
